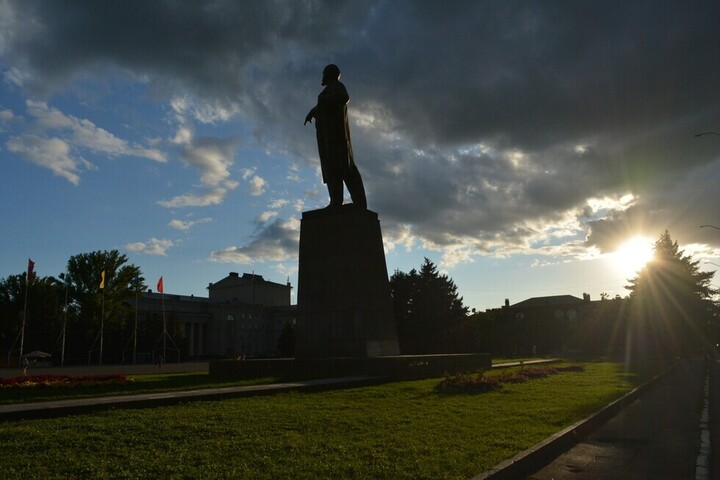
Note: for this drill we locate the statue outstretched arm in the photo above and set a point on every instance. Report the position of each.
(310, 115)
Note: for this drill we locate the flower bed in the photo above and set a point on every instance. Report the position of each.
(478, 383)
(62, 381)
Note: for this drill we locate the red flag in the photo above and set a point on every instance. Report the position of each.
(160, 285)
(30, 270)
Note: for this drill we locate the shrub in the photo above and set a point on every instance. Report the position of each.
(477, 383)
(469, 383)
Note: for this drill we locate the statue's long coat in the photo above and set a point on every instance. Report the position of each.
(333, 132)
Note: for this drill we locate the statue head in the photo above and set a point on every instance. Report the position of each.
(331, 73)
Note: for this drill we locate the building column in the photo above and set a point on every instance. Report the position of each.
(191, 339)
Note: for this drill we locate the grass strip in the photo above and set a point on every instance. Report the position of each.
(403, 430)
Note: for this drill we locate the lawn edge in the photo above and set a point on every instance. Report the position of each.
(542, 453)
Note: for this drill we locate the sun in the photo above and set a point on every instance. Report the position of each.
(633, 254)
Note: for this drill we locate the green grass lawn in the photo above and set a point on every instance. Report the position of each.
(402, 430)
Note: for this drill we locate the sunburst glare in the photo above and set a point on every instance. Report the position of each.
(633, 254)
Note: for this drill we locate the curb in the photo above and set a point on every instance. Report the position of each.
(59, 408)
(540, 454)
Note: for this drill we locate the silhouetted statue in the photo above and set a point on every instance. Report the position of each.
(333, 138)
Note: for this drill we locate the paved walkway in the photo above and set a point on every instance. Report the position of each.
(78, 370)
(657, 436)
(59, 408)
(539, 361)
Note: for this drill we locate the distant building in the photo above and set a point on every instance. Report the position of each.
(558, 306)
(241, 316)
(558, 324)
(250, 289)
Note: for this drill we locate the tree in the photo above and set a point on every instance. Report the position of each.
(426, 306)
(84, 276)
(43, 316)
(671, 305)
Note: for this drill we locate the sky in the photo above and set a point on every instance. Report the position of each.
(516, 144)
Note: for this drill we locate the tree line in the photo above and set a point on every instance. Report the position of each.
(64, 312)
(670, 310)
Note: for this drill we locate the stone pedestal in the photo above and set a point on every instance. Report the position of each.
(344, 303)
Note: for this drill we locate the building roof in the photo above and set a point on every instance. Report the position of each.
(555, 300)
(233, 279)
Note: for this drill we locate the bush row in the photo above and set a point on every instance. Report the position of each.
(479, 383)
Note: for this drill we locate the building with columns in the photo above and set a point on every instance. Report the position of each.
(242, 315)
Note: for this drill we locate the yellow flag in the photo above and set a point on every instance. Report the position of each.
(102, 279)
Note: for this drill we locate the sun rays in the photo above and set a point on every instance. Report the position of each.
(633, 254)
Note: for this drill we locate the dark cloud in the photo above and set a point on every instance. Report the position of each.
(215, 48)
(276, 241)
(489, 119)
(680, 204)
(627, 85)
(536, 74)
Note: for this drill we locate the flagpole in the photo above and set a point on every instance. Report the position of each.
(62, 354)
(102, 325)
(22, 331)
(135, 330)
(164, 358)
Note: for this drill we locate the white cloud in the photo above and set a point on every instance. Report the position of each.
(85, 134)
(154, 246)
(233, 255)
(212, 197)
(257, 183)
(6, 115)
(183, 136)
(15, 76)
(398, 235)
(58, 140)
(294, 173)
(278, 203)
(212, 157)
(611, 203)
(257, 186)
(286, 270)
(51, 153)
(456, 255)
(267, 215)
(203, 112)
(185, 225)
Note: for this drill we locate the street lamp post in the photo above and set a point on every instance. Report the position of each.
(710, 226)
